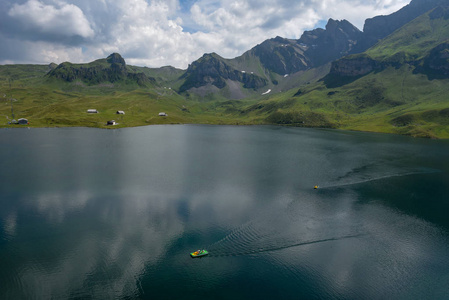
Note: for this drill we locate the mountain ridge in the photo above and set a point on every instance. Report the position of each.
(276, 58)
(262, 67)
(397, 85)
(112, 69)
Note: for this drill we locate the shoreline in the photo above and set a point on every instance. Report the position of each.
(115, 127)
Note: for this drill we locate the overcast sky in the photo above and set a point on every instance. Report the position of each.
(157, 33)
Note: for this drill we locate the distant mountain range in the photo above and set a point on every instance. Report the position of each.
(275, 59)
(268, 64)
(391, 77)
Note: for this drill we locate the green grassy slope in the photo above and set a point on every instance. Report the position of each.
(397, 98)
(391, 101)
(48, 102)
(412, 41)
(19, 72)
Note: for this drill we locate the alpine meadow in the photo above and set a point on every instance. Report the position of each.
(392, 77)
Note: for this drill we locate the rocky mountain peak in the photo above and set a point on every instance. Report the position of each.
(279, 39)
(325, 45)
(52, 66)
(116, 58)
(97, 72)
(212, 70)
(343, 25)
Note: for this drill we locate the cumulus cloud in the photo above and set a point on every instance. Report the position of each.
(61, 19)
(149, 34)
(16, 51)
(236, 26)
(239, 25)
(155, 32)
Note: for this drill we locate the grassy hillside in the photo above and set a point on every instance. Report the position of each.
(398, 96)
(414, 40)
(391, 101)
(20, 72)
(49, 102)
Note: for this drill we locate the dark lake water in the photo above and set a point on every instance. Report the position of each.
(113, 214)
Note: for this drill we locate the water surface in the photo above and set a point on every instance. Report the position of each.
(90, 213)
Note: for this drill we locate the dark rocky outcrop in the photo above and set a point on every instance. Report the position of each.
(323, 46)
(211, 69)
(112, 69)
(354, 66)
(436, 63)
(281, 56)
(349, 69)
(116, 58)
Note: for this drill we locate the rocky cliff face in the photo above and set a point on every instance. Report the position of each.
(281, 56)
(354, 66)
(116, 58)
(436, 63)
(337, 40)
(315, 48)
(211, 69)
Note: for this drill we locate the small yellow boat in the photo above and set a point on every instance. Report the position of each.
(199, 253)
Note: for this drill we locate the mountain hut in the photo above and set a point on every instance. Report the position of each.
(22, 121)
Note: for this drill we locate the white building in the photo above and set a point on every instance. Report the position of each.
(22, 121)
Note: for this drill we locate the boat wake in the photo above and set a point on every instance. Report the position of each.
(278, 248)
(349, 180)
(300, 222)
(281, 227)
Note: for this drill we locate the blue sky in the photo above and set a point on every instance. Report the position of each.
(156, 33)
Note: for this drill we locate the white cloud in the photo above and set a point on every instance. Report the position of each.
(156, 33)
(63, 19)
(40, 52)
(150, 33)
(357, 11)
(10, 224)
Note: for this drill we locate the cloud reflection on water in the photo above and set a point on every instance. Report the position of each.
(117, 212)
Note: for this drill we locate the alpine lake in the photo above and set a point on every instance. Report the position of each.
(114, 214)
